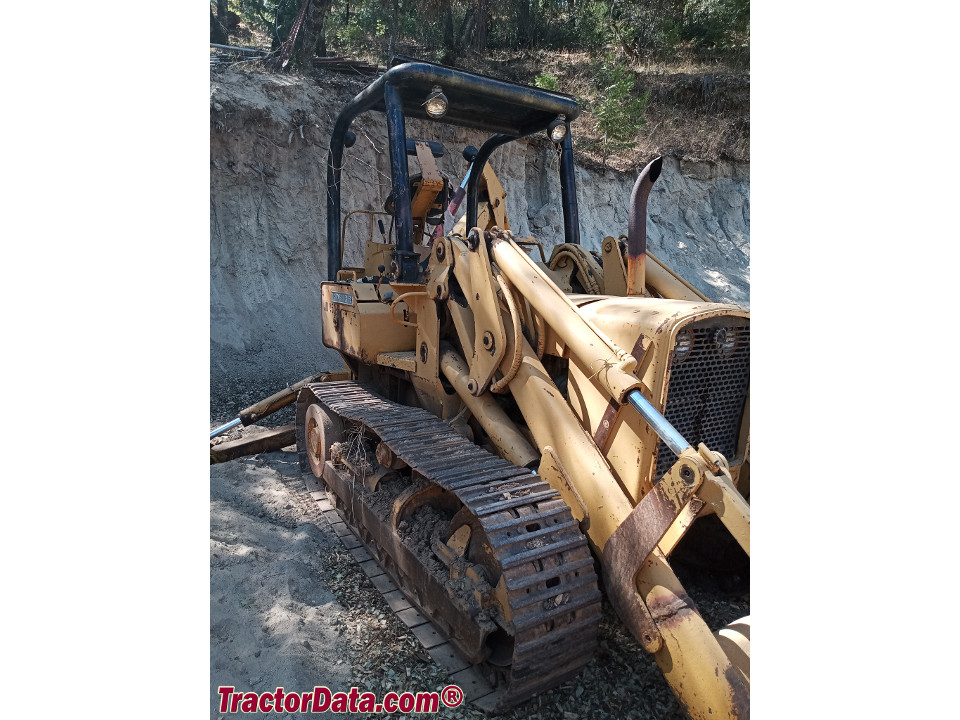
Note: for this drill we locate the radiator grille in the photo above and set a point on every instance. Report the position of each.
(707, 392)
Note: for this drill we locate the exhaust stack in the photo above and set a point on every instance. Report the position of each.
(637, 233)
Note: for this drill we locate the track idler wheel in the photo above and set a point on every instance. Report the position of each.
(322, 429)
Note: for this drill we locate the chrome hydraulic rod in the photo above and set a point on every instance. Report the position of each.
(667, 432)
(275, 402)
(223, 428)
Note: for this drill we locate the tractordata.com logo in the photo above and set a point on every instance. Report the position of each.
(322, 699)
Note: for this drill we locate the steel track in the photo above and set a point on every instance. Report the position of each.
(546, 566)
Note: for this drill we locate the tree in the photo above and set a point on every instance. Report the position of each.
(218, 24)
(312, 41)
(394, 31)
(449, 43)
(619, 113)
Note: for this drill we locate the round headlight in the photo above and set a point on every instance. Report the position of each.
(684, 345)
(725, 341)
(557, 130)
(436, 103)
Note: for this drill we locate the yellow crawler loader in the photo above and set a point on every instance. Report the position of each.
(517, 435)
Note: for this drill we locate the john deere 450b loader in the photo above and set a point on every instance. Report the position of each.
(520, 434)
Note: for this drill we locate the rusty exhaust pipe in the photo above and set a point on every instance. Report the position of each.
(637, 232)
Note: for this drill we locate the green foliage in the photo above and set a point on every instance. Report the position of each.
(546, 81)
(620, 113)
(436, 28)
(351, 38)
(716, 23)
(593, 30)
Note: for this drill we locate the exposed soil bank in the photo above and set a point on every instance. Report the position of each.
(269, 136)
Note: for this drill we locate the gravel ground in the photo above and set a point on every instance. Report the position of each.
(289, 606)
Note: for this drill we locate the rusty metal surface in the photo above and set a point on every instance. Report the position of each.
(636, 538)
(637, 232)
(535, 546)
(286, 50)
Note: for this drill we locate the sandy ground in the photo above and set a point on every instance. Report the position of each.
(272, 620)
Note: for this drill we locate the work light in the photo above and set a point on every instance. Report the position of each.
(557, 130)
(436, 103)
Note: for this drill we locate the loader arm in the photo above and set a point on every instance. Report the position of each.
(492, 273)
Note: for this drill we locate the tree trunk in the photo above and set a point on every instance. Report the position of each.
(466, 29)
(394, 30)
(312, 32)
(449, 43)
(218, 24)
(523, 21)
(216, 32)
(483, 22)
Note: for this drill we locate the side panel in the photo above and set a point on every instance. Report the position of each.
(362, 328)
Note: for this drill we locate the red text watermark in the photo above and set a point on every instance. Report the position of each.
(322, 699)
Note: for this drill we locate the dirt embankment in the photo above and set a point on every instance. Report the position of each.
(269, 136)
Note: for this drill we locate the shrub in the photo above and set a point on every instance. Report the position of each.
(619, 112)
(546, 81)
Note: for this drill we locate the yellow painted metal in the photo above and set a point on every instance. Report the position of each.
(406, 361)
(375, 253)
(359, 328)
(729, 505)
(492, 213)
(427, 348)
(612, 345)
(599, 456)
(406, 299)
(614, 271)
(432, 183)
(668, 284)
(552, 470)
(734, 639)
(678, 529)
(630, 443)
(503, 432)
(693, 662)
(459, 540)
(497, 198)
(489, 340)
(612, 365)
(652, 278)
(553, 424)
(531, 243)
(570, 261)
